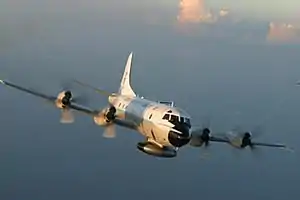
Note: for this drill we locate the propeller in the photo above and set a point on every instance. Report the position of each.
(247, 136)
(202, 135)
(67, 115)
(246, 140)
(76, 96)
(110, 129)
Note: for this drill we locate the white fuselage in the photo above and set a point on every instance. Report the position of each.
(146, 117)
(162, 125)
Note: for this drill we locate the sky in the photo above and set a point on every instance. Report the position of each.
(265, 8)
(226, 71)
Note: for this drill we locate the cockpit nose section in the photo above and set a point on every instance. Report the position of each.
(181, 134)
(181, 138)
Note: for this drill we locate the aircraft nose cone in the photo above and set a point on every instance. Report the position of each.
(179, 139)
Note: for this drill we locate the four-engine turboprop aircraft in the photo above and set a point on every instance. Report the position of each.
(166, 128)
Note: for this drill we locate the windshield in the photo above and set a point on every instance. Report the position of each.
(176, 119)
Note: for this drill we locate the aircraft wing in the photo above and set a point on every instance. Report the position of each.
(49, 98)
(219, 139)
(222, 137)
(196, 139)
(268, 144)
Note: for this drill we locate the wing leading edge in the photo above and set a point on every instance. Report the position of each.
(240, 142)
(225, 140)
(51, 99)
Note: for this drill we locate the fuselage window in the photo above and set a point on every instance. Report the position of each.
(166, 116)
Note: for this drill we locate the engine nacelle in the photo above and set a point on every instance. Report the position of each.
(200, 138)
(63, 99)
(105, 117)
(154, 150)
(100, 119)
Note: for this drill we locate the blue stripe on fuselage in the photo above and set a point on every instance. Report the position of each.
(135, 110)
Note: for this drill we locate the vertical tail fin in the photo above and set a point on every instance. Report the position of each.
(125, 87)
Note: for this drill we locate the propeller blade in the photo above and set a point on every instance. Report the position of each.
(206, 144)
(67, 116)
(79, 96)
(236, 152)
(196, 140)
(66, 85)
(256, 152)
(258, 131)
(238, 130)
(206, 122)
(110, 131)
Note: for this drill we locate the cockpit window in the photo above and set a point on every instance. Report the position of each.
(166, 116)
(174, 118)
(187, 120)
(181, 119)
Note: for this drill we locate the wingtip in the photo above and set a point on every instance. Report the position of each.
(2, 81)
(289, 149)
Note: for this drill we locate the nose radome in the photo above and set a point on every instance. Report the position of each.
(179, 139)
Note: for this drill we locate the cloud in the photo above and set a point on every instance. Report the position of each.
(283, 33)
(193, 11)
